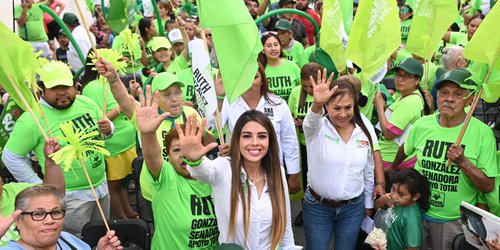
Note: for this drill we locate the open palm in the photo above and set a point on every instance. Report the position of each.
(148, 119)
(190, 140)
(321, 89)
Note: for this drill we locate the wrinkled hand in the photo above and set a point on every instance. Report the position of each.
(190, 141)
(180, 22)
(378, 100)
(6, 222)
(148, 119)
(387, 199)
(106, 69)
(51, 146)
(456, 154)
(321, 90)
(224, 150)
(104, 126)
(293, 183)
(109, 242)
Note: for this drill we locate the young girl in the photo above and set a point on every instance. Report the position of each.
(409, 197)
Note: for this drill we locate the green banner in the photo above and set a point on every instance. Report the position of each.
(11, 112)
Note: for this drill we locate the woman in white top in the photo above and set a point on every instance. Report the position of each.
(249, 187)
(259, 97)
(341, 168)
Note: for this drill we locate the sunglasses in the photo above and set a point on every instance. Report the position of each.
(270, 32)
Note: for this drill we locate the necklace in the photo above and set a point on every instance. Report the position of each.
(255, 180)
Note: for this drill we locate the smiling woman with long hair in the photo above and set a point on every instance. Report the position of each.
(249, 187)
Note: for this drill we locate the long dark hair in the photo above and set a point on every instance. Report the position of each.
(262, 57)
(416, 183)
(143, 24)
(272, 167)
(308, 70)
(344, 88)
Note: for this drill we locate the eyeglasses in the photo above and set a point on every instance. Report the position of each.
(169, 96)
(404, 76)
(41, 215)
(270, 32)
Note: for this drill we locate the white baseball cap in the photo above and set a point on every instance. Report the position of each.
(175, 36)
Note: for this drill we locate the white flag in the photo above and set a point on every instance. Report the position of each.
(203, 81)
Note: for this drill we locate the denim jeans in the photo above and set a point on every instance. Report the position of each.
(321, 220)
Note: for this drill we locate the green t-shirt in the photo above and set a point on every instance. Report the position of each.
(185, 210)
(405, 111)
(283, 79)
(459, 38)
(83, 113)
(308, 51)
(179, 63)
(297, 54)
(124, 130)
(137, 54)
(405, 29)
(34, 23)
(369, 90)
(165, 127)
(492, 199)
(299, 112)
(406, 229)
(448, 184)
(9, 193)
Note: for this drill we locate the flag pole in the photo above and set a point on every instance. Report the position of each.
(95, 52)
(28, 108)
(43, 113)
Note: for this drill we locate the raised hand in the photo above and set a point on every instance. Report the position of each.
(6, 222)
(190, 141)
(109, 241)
(107, 70)
(321, 90)
(148, 119)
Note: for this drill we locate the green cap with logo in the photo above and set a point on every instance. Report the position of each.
(458, 76)
(55, 73)
(164, 80)
(160, 42)
(283, 24)
(70, 18)
(412, 66)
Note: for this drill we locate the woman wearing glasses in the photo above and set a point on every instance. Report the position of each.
(40, 212)
(395, 122)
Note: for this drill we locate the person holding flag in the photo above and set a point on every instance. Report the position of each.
(396, 121)
(462, 39)
(61, 104)
(471, 171)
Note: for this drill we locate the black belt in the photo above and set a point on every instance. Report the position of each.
(330, 202)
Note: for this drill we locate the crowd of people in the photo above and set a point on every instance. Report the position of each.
(346, 146)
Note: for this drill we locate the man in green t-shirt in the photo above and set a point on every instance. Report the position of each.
(60, 104)
(293, 49)
(474, 165)
(29, 17)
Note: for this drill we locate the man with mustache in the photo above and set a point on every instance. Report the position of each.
(474, 164)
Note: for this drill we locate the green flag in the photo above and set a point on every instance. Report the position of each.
(431, 20)
(347, 10)
(236, 41)
(120, 14)
(330, 33)
(18, 61)
(375, 35)
(484, 46)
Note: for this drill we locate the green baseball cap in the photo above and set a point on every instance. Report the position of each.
(283, 24)
(55, 73)
(164, 80)
(160, 42)
(412, 66)
(458, 76)
(70, 18)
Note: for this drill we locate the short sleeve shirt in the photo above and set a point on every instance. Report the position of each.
(34, 23)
